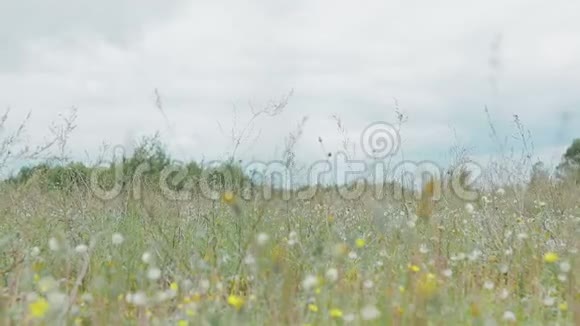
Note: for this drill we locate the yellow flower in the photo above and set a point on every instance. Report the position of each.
(229, 198)
(551, 257)
(401, 289)
(427, 285)
(330, 218)
(335, 313)
(182, 323)
(236, 301)
(173, 286)
(360, 243)
(38, 308)
(313, 307)
(414, 268)
(563, 307)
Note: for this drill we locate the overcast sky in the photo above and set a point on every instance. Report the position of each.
(443, 62)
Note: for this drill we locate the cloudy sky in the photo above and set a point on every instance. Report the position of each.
(441, 64)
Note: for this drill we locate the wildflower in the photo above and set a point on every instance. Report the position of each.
(563, 307)
(565, 267)
(352, 255)
(427, 285)
(35, 251)
(117, 239)
(38, 308)
(138, 299)
(509, 317)
(56, 299)
(562, 278)
(262, 238)
(330, 218)
(153, 273)
(551, 257)
(173, 286)
(474, 255)
(53, 244)
(249, 260)
(488, 285)
(309, 282)
(332, 275)
(368, 284)
(423, 249)
(370, 313)
(414, 268)
(348, 318)
(147, 258)
(312, 307)
(504, 294)
(500, 192)
(292, 238)
(182, 323)
(523, 236)
(46, 284)
(548, 301)
(448, 273)
(335, 313)
(469, 208)
(81, 249)
(542, 204)
(204, 285)
(360, 243)
(236, 301)
(229, 198)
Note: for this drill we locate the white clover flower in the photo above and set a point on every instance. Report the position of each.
(309, 282)
(153, 273)
(139, 298)
(423, 249)
(370, 313)
(522, 236)
(262, 238)
(448, 273)
(500, 192)
(504, 294)
(565, 267)
(204, 285)
(332, 274)
(542, 204)
(469, 208)
(249, 260)
(35, 251)
(47, 284)
(348, 318)
(368, 284)
(474, 255)
(81, 249)
(488, 285)
(548, 301)
(117, 239)
(503, 268)
(53, 244)
(562, 278)
(352, 255)
(509, 317)
(147, 258)
(56, 299)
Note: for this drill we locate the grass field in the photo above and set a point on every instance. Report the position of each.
(509, 257)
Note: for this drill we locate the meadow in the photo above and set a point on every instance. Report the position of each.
(510, 256)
